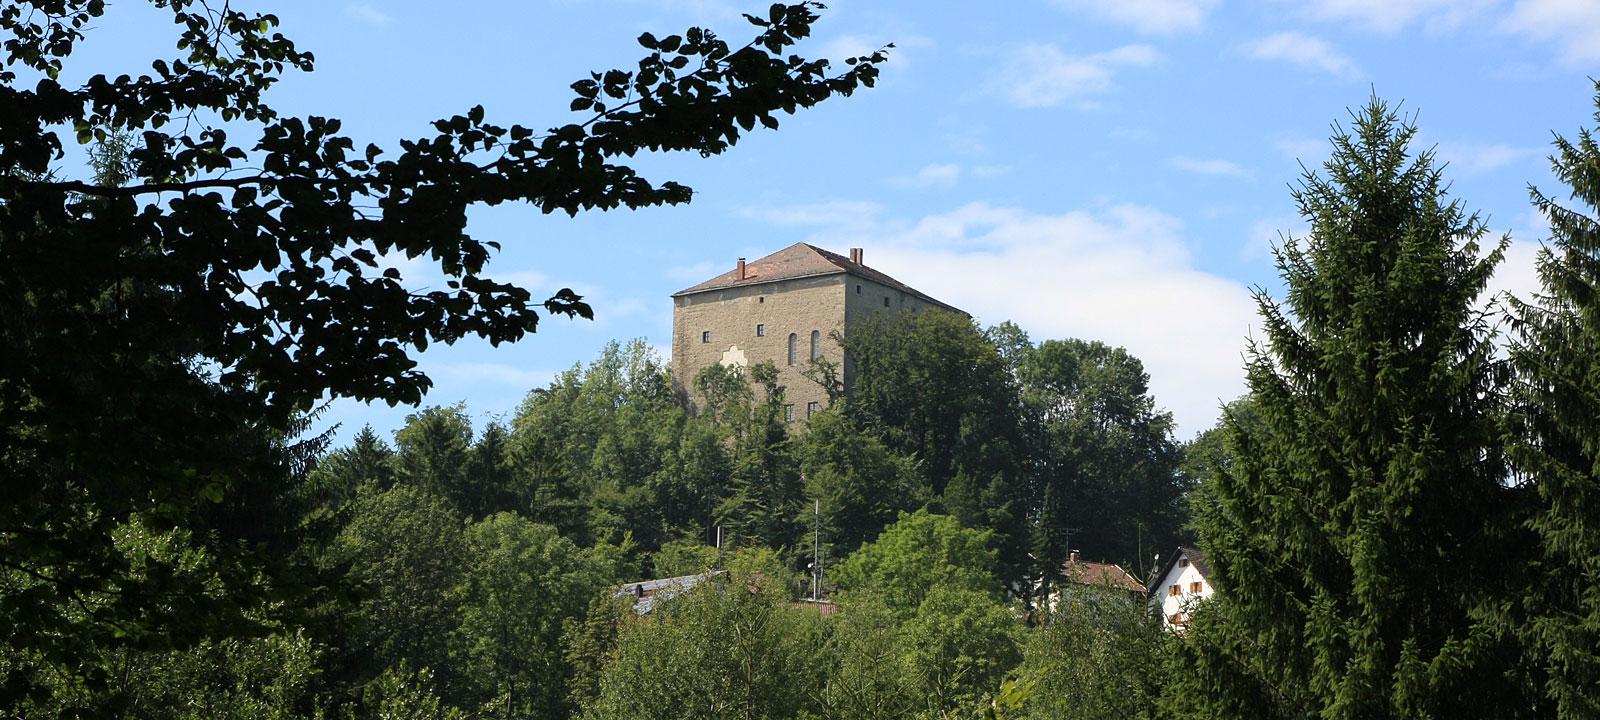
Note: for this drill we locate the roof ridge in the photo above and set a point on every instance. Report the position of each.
(765, 269)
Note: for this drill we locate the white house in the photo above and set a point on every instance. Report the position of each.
(1181, 585)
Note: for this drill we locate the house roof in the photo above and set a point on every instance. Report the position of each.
(1084, 572)
(1196, 557)
(802, 260)
(646, 592)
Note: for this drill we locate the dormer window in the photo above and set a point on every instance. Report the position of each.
(1183, 562)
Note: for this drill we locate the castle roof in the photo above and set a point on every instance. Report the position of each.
(802, 260)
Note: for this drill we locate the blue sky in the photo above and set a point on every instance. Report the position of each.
(1112, 170)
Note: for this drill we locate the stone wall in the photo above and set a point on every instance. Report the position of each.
(864, 297)
(731, 316)
(824, 304)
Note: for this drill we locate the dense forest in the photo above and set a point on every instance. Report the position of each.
(1401, 517)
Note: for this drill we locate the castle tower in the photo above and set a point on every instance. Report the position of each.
(784, 309)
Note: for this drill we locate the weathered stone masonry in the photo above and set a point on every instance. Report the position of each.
(800, 295)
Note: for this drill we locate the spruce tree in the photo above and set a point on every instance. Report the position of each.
(1558, 362)
(1352, 535)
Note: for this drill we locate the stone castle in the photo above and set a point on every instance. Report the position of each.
(784, 309)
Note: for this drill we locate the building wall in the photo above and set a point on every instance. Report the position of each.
(1184, 577)
(864, 297)
(731, 315)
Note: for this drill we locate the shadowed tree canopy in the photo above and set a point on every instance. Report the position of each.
(230, 275)
(1108, 465)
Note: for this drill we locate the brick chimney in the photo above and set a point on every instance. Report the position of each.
(741, 268)
(855, 256)
(1072, 557)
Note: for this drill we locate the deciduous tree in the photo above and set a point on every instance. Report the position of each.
(1108, 463)
(231, 278)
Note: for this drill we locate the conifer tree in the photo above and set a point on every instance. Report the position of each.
(1353, 533)
(1558, 359)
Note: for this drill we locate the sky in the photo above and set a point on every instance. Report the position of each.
(1112, 170)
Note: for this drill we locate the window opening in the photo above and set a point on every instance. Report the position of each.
(794, 347)
(816, 344)
(761, 330)
(705, 336)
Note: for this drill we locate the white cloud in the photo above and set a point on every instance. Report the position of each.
(1517, 275)
(367, 14)
(1159, 17)
(1393, 15)
(1303, 50)
(1309, 152)
(1208, 167)
(1268, 233)
(1473, 158)
(1041, 75)
(935, 174)
(1120, 274)
(416, 273)
(1573, 24)
(844, 213)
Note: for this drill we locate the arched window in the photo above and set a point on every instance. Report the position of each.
(816, 344)
(794, 347)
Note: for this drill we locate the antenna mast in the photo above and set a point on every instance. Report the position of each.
(816, 551)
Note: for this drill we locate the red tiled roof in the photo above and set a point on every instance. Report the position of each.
(1084, 572)
(802, 260)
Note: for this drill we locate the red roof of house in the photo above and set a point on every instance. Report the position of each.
(802, 260)
(1084, 572)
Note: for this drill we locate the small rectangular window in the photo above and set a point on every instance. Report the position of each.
(858, 289)
(813, 408)
(886, 301)
(761, 330)
(1183, 562)
(1174, 590)
(1194, 587)
(761, 299)
(788, 413)
(705, 336)
(1175, 619)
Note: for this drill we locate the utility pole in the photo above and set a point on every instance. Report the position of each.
(816, 551)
